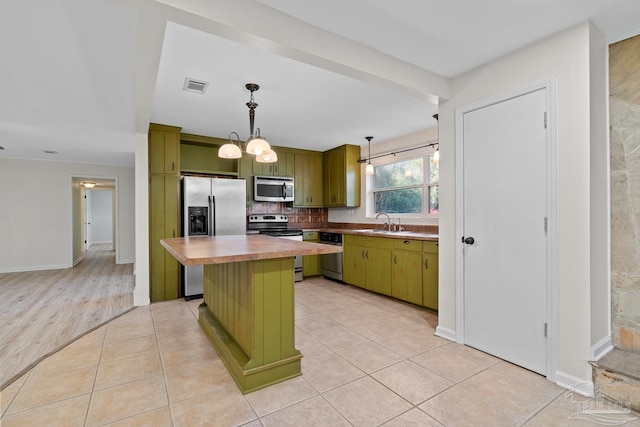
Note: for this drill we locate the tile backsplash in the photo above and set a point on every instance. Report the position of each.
(298, 217)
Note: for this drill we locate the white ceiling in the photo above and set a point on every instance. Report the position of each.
(68, 78)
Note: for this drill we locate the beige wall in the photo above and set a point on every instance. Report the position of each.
(625, 192)
(565, 57)
(37, 210)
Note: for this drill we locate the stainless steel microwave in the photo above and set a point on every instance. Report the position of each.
(272, 189)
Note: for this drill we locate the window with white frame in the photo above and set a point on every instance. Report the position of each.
(407, 187)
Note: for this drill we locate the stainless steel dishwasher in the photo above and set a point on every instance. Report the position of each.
(331, 263)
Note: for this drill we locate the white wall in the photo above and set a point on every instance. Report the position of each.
(359, 215)
(100, 211)
(141, 268)
(36, 212)
(565, 57)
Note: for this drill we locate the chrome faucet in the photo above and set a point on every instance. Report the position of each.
(387, 226)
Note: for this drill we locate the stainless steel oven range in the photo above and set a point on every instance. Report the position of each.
(331, 263)
(277, 226)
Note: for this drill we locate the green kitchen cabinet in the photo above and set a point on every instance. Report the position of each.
(430, 275)
(308, 179)
(164, 214)
(311, 264)
(406, 282)
(199, 155)
(354, 262)
(164, 221)
(367, 263)
(284, 166)
(341, 176)
(164, 149)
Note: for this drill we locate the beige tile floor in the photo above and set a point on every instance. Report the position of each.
(368, 361)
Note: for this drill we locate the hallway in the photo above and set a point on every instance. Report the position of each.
(42, 311)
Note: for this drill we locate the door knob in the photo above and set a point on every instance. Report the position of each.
(468, 240)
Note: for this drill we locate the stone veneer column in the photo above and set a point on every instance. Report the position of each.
(625, 192)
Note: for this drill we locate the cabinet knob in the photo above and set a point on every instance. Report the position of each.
(173, 166)
(363, 253)
(426, 263)
(395, 259)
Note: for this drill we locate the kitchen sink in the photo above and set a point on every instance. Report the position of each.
(376, 231)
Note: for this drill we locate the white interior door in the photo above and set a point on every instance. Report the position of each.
(505, 213)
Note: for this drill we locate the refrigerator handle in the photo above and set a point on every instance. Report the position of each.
(284, 190)
(212, 215)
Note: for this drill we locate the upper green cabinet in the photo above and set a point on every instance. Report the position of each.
(341, 172)
(199, 155)
(308, 179)
(284, 166)
(164, 149)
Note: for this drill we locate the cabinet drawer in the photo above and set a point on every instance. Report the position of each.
(310, 236)
(431, 247)
(407, 245)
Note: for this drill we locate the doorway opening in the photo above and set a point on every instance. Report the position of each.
(94, 216)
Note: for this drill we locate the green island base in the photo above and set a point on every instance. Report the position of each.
(248, 316)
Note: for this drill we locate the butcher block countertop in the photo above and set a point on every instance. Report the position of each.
(225, 249)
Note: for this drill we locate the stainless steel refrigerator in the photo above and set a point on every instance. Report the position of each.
(211, 207)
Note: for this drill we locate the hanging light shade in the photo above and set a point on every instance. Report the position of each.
(230, 150)
(369, 169)
(268, 156)
(256, 145)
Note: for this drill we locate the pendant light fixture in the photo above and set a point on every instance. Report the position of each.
(230, 150)
(369, 169)
(256, 144)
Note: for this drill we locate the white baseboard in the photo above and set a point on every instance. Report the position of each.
(577, 385)
(446, 333)
(601, 348)
(126, 261)
(80, 258)
(34, 268)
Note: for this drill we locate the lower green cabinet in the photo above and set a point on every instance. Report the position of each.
(311, 264)
(403, 269)
(430, 275)
(367, 263)
(164, 270)
(407, 276)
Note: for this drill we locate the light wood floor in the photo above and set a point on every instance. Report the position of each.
(42, 311)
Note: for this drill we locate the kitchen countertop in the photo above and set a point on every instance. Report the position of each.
(412, 235)
(225, 249)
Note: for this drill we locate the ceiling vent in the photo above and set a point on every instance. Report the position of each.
(193, 85)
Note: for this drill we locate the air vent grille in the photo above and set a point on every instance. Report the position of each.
(195, 85)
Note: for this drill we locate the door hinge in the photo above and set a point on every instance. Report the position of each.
(545, 225)
(545, 330)
(545, 119)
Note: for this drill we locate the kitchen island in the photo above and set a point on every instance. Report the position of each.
(248, 308)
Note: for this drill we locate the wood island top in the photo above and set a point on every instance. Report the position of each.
(225, 249)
